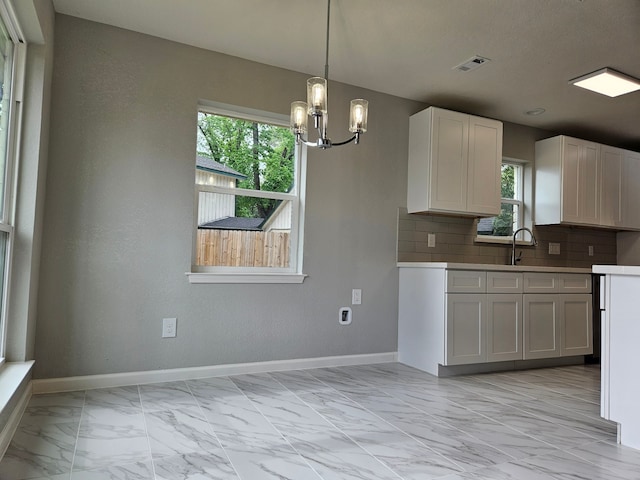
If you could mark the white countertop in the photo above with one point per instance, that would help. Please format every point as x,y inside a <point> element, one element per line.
<point>632,270</point>
<point>498,268</point>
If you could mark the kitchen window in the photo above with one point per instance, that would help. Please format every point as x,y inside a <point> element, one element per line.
<point>500,228</point>
<point>249,190</point>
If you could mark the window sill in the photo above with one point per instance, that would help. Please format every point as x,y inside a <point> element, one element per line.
<point>200,277</point>
<point>501,240</point>
<point>11,376</point>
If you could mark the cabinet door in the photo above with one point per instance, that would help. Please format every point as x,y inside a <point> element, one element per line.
<point>580,182</point>
<point>630,190</point>
<point>611,187</point>
<point>504,327</point>
<point>571,180</point>
<point>577,324</point>
<point>574,283</point>
<point>590,183</point>
<point>449,161</point>
<point>466,327</point>
<point>485,159</point>
<point>466,281</point>
<point>504,282</point>
<point>540,282</point>
<point>541,326</point>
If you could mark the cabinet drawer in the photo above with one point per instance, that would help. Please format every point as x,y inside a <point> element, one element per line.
<point>574,283</point>
<point>466,281</point>
<point>504,282</point>
<point>537,282</point>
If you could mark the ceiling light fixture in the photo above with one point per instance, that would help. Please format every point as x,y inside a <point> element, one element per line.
<point>316,107</point>
<point>607,82</point>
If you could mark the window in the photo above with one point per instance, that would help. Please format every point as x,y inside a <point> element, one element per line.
<point>248,178</point>
<point>11,54</point>
<point>511,215</point>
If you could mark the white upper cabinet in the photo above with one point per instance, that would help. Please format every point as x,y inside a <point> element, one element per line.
<point>585,183</point>
<point>567,181</point>
<point>454,163</point>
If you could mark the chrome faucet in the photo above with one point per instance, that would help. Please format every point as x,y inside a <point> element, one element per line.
<point>515,260</point>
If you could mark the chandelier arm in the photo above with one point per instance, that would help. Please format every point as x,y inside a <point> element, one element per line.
<point>300,139</point>
<point>337,144</point>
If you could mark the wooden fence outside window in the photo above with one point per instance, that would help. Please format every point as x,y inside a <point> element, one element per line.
<point>240,248</point>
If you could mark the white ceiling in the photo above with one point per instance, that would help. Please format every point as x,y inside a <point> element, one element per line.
<point>409,47</point>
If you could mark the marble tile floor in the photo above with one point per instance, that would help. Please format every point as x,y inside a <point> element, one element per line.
<point>384,421</point>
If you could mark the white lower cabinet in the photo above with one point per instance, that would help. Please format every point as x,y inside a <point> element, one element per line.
<point>504,327</point>
<point>541,321</point>
<point>577,324</point>
<point>457,317</point>
<point>557,324</point>
<point>483,328</point>
<point>466,326</point>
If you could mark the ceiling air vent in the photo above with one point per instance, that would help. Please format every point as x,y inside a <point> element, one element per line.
<point>471,64</point>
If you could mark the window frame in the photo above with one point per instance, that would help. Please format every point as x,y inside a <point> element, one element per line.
<point>12,154</point>
<point>226,274</point>
<point>520,188</point>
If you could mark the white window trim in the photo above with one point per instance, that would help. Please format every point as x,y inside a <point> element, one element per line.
<point>522,210</point>
<point>14,130</point>
<point>248,275</point>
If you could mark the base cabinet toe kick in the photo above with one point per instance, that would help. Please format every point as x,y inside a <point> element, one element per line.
<point>450,317</point>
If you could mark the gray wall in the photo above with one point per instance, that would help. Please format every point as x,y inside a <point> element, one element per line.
<point>119,205</point>
<point>628,248</point>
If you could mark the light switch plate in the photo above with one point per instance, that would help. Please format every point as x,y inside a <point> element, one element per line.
<point>356,296</point>
<point>169,327</point>
<point>431,240</point>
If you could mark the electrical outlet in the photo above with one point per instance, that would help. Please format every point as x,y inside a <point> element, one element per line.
<point>344,316</point>
<point>591,250</point>
<point>169,326</point>
<point>356,296</point>
<point>554,248</point>
<point>431,240</point>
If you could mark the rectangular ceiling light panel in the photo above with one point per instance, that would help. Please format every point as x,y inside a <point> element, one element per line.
<point>607,82</point>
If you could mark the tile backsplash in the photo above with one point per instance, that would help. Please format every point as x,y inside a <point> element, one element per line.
<point>455,242</point>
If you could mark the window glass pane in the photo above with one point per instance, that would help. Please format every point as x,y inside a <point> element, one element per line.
<point>508,181</point>
<point>4,239</point>
<point>6,63</point>
<point>240,231</point>
<point>509,219</point>
<point>245,154</point>
<point>501,226</point>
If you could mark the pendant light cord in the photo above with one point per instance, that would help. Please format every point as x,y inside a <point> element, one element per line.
<point>326,61</point>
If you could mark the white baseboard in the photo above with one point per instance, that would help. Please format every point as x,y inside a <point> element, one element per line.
<point>11,426</point>
<point>87,382</point>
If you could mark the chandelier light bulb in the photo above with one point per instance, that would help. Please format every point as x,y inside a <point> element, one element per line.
<point>317,95</point>
<point>358,116</point>
<point>299,117</point>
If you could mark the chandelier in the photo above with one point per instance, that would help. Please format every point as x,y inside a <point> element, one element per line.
<point>316,107</point>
